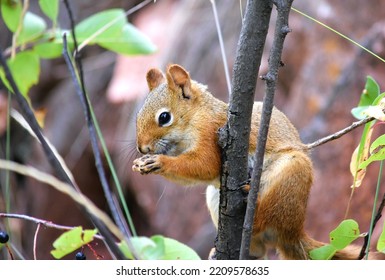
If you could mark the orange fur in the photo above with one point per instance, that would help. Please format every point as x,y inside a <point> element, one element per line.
<point>186,150</point>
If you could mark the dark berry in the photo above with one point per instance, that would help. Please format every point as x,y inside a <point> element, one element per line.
<point>80,256</point>
<point>4,237</point>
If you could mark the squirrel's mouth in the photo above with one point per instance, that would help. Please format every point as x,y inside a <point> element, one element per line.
<point>169,147</point>
<point>165,147</point>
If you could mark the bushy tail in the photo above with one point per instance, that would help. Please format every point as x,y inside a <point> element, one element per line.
<point>300,250</point>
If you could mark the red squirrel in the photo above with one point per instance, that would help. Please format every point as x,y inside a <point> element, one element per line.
<point>177,133</point>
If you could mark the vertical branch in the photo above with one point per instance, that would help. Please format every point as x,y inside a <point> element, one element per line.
<point>281,30</point>
<point>94,143</point>
<point>81,92</point>
<point>234,137</point>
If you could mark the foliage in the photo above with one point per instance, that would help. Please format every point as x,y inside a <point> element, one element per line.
<point>158,248</point>
<point>372,105</point>
<point>33,40</point>
<point>346,232</point>
<point>155,248</point>
<point>71,241</point>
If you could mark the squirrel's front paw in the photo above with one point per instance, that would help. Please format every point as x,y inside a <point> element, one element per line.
<point>147,164</point>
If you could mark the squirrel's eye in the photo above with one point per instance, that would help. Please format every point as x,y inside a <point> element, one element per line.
<point>164,119</point>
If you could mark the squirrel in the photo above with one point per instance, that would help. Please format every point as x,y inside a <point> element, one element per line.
<point>177,133</point>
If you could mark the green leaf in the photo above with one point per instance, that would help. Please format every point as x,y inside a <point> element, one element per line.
<point>158,248</point>
<point>145,248</point>
<point>105,25</point>
<point>378,99</point>
<point>358,112</point>
<point>381,241</point>
<point>110,30</point>
<point>178,251</point>
<point>377,150</point>
<point>129,42</point>
<point>380,155</point>
<point>51,45</point>
<point>11,12</point>
<point>346,232</point>
<point>360,154</point>
<point>25,69</point>
<point>369,96</point>
<point>379,142</point>
<point>370,92</point>
<point>33,27</point>
<point>325,252</point>
<point>71,241</point>
<point>50,8</point>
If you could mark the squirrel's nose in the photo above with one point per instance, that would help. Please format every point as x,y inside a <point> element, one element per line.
<point>144,149</point>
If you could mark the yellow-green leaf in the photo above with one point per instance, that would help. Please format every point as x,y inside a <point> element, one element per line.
<point>158,248</point>
<point>50,8</point>
<point>360,154</point>
<point>25,69</point>
<point>325,252</point>
<point>33,27</point>
<point>11,12</point>
<point>71,241</point>
<point>346,232</point>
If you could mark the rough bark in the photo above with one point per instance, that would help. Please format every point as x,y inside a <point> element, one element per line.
<point>281,30</point>
<point>234,137</point>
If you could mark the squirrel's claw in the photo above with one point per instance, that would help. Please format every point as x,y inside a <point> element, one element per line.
<point>146,164</point>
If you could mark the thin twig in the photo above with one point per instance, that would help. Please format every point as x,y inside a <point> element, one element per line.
<point>222,46</point>
<point>64,188</point>
<point>23,123</point>
<point>19,28</point>
<point>101,220</point>
<point>339,134</point>
<point>35,242</point>
<point>80,90</point>
<point>94,143</point>
<point>281,30</point>
<point>38,221</point>
<point>76,55</point>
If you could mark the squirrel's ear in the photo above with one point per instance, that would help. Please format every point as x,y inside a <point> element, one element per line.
<point>154,78</point>
<point>178,77</point>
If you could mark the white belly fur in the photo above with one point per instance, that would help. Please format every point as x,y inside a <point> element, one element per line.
<point>212,201</point>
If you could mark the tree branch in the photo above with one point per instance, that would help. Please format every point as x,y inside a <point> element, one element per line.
<point>38,221</point>
<point>339,134</point>
<point>281,30</point>
<point>110,201</point>
<point>234,137</point>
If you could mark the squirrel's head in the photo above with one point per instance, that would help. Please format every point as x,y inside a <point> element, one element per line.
<point>165,120</point>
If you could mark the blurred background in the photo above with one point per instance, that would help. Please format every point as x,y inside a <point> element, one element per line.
<point>322,80</point>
